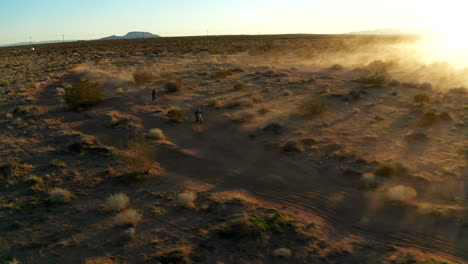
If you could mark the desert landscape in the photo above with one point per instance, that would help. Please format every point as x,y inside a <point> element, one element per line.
<point>313,149</point>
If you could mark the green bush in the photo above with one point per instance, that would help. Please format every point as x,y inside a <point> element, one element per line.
<point>421,99</point>
<point>176,115</point>
<point>82,94</point>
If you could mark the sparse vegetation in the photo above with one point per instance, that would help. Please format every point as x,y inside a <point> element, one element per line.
<point>142,78</point>
<point>156,133</point>
<point>421,99</point>
<point>176,115</point>
<point>429,118</point>
<point>186,199</point>
<point>83,94</point>
<point>59,195</point>
<point>129,217</point>
<point>385,170</point>
<point>239,86</point>
<point>313,107</point>
<point>117,202</point>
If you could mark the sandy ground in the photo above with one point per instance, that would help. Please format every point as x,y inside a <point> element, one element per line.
<point>322,169</point>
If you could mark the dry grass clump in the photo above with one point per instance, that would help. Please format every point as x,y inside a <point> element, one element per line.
<point>429,118</point>
<point>313,107</point>
<point>216,103</point>
<point>294,146</point>
<point>82,94</point>
<point>138,158</point>
<point>174,86</point>
<point>282,252</point>
<point>59,195</point>
<point>186,199</point>
<point>256,97</point>
<point>143,77</point>
<point>100,260</point>
<point>245,117</point>
<point>239,86</point>
<point>421,99</point>
<point>117,202</point>
<point>337,67</point>
<point>156,133</point>
<point>176,115</point>
<point>401,193</point>
<point>385,170</point>
<point>129,217</point>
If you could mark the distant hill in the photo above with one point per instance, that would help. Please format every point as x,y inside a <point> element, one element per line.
<point>35,43</point>
<point>133,35</point>
<point>389,31</point>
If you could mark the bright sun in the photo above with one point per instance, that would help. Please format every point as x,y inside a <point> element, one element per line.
<point>448,41</point>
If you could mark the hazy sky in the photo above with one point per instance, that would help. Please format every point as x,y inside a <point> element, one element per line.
<point>88,19</point>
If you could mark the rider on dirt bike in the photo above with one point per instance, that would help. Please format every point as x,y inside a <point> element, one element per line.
<point>198,115</point>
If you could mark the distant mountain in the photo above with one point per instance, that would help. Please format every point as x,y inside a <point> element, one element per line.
<point>389,31</point>
<point>133,35</point>
<point>35,43</point>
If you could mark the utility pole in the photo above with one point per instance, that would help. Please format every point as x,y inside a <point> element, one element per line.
<point>63,38</point>
<point>30,41</point>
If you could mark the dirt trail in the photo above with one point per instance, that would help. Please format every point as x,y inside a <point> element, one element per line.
<point>227,158</point>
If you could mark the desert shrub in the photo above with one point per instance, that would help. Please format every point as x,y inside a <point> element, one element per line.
<point>375,79</point>
<point>117,202</point>
<point>394,83</point>
<point>385,170</point>
<point>156,133</point>
<point>128,217</point>
<point>401,193</point>
<point>421,99</point>
<point>337,67</point>
<point>173,86</point>
<point>216,103</point>
<point>282,252</point>
<point>245,117</point>
<point>82,94</point>
<point>239,86</point>
<point>59,195</point>
<point>287,92</point>
<point>138,159</point>
<point>294,146</point>
<point>429,118</point>
<point>313,107</point>
<point>220,74</point>
<point>186,199</point>
<point>142,77</point>
<point>256,97</point>
<point>176,115</point>
<point>100,260</point>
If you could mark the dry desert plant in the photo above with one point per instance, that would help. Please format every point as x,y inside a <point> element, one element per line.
<point>176,115</point>
<point>128,217</point>
<point>142,77</point>
<point>156,133</point>
<point>59,195</point>
<point>82,94</point>
<point>117,202</point>
<point>313,107</point>
<point>401,193</point>
<point>186,199</point>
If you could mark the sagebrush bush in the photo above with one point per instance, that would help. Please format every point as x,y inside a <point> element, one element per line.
<point>375,78</point>
<point>128,217</point>
<point>143,77</point>
<point>117,202</point>
<point>138,158</point>
<point>59,195</point>
<point>186,199</point>
<point>401,193</point>
<point>173,86</point>
<point>156,133</point>
<point>385,170</point>
<point>239,86</point>
<point>82,94</point>
<point>313,107</point>
<point>429,118</point>
<point>176,115</point>
<point>421,99</point>
<point>100,260</point>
